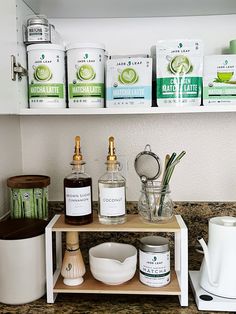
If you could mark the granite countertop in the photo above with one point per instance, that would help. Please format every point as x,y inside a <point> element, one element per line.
<point>196,217</point>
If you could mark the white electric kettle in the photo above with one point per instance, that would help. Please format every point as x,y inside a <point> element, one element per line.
<point>218,269</point>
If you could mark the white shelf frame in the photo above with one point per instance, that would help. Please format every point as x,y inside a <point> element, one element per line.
<point>130,8</point>
<point>127,111</point>
<point>181,256</point>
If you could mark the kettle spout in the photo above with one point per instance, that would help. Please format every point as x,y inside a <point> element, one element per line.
<point>207,260</point>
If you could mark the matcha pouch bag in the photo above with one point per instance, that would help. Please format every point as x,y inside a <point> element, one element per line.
<point>179,71</point>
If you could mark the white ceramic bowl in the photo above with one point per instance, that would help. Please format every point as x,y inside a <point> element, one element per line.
<point>113,263</point>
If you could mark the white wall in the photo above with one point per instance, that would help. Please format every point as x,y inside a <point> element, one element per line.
<point>137,35</point>
<point>208,172</point>
<point>10,156</point>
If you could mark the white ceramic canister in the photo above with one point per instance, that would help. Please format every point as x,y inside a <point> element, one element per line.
<point>85,67</point>
<point>154,261</point>
<point>22,260</point>
<point>46,71</point>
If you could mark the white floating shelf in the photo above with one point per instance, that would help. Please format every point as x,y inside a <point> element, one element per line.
<point>130,8</point>
<point>131,111</point>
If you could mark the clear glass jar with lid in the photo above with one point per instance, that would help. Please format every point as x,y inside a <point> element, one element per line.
<point>155,203</point>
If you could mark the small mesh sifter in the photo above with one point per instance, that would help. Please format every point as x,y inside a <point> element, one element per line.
<point>147,165</point>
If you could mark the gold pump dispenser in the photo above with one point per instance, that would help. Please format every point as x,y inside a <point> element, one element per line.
<point>111,150</point>
<point>77,153</point>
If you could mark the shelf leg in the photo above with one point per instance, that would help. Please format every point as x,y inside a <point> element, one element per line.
<point>49,260</point>
<point>181,260</point>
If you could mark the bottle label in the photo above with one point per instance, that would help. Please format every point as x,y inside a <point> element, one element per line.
<point>112,201</point>
<point>78,201</point>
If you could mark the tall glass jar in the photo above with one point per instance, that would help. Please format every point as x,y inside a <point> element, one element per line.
<point>155,203</point>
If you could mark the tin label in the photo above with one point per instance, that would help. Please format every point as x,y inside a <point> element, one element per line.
<point>38,33</point>
<point>154,268</point>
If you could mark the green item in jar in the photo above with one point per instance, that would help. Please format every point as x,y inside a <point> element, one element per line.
<point>27,203</point>
<point>45,202</point>
<point>38,203</point>
<point>15,203</point>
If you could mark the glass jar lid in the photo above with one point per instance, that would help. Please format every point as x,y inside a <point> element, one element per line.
<point>155,244</point>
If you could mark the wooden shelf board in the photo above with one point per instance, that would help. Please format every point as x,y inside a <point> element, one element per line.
<point>134,286</point>
<point>134,223</point>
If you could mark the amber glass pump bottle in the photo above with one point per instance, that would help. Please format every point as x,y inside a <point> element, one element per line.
<point>78,191</point>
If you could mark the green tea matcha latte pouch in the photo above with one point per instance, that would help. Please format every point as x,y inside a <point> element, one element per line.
<point>179,70</point>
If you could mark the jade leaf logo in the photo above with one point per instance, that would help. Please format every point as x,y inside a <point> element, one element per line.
<point>128,76</point>
<point>86,73</point>
<point>26,196</point>
<point>42,73</point>
<point>180,45</point>
<point>86,56</point>
<point>42,57</point>
<point>69,267</point>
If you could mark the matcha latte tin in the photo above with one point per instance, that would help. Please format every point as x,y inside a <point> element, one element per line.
<point>29,196</point>
<point>85,72</point>
<point>46,71</point>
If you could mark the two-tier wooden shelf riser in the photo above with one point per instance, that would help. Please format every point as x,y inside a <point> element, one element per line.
<point>179,275</point>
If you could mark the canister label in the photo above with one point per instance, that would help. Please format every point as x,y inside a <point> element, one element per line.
<point>154,268</point>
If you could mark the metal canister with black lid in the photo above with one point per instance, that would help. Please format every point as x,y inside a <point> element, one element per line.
<point>154,261</point>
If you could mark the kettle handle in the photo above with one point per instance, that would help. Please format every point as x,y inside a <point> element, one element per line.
<point>207,261</point>
<point>199,249</point>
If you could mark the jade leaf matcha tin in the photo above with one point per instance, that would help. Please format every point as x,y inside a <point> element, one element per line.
<point>154,261</point>
<point>29,196</point>
<point>85,68</point>
<point>46,70</point>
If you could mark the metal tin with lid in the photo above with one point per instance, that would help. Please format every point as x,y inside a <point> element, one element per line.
<point>154,261</point>
<point>37,30</point>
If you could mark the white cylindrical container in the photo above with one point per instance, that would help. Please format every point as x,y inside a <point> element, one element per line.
<point>85,67</point>
<point>46,73</point>
<point>154,261</point>
<point>22,260</point>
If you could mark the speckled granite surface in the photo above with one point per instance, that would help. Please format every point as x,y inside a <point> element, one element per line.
<point>196,217</point>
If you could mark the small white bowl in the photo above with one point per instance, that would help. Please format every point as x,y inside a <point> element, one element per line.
<point>113,263</point>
